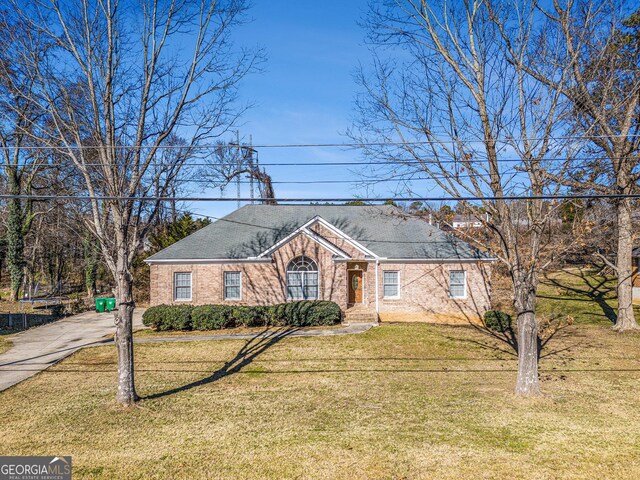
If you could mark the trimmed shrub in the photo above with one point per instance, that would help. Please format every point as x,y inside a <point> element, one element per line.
<point>179,318</point>
<point>247,317</point>
<point>168,317</point>
<point>153,316</point>
<point>497,321</point>
<point>211,317</point>
<point>215,317</point>
<point>305,313</point>
<point>276,316</point>
<point>323,313</point>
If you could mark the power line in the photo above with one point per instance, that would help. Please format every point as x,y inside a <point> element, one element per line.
<point>320,145</point>
<point>369,180</point>
<point>320,200</point>
<point>314,164</point>
<point>399,178</point>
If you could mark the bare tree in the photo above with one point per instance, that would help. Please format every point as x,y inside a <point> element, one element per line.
<point>119,83</point>
<point>600,42</point>
<point>447,100</point>
<point>90,257</point>
<point>19,113</point>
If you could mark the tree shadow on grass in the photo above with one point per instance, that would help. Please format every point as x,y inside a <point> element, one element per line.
<point>500,342</point>
<point>587,287</point>
<point>249,351</point>
<point>595,290</point>
<point>506,341</point>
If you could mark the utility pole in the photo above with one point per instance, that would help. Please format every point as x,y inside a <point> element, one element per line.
<point>238,165</point>
<point>251,174</point>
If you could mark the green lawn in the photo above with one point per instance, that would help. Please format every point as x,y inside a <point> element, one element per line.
<point>401,401</point>
<point>150,333</point>
<point>580,292</point>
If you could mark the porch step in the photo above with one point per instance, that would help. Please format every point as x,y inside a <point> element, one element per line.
<point>360,315</point>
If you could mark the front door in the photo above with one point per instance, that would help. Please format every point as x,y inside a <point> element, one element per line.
<point>355,286</point>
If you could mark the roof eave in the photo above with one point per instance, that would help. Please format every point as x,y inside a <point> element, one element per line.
<point>182,261</point>
<point>437,260</point>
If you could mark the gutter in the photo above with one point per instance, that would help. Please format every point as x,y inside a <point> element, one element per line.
<point>186,261</point>
<point>437,260</point>
<point>183,261</point>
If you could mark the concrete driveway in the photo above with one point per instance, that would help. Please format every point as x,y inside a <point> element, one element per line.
<point>40,347</point>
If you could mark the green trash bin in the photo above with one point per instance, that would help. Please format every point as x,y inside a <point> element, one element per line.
<point>111,304</point>
<point>101,304</point>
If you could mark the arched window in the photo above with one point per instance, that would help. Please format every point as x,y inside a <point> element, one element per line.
<point>302,279</point>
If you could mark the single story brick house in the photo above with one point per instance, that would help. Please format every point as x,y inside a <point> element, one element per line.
<point>373,261</point>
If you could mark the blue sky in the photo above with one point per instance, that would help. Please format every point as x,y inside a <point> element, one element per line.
<point>305,94</point>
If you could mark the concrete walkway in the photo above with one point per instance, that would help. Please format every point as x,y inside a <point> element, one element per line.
<point>38,348</point>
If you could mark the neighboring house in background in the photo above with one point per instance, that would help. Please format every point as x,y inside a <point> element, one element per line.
<point>468,221</point>
<point>370,260</point>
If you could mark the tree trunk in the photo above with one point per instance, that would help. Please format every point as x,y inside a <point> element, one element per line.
<point>527,383</point>
<point>90,265</point>
<point>624,265</point>
<point>15,246</point>
<point>124,338</point>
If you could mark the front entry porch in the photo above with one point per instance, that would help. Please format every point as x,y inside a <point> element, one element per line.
<point>360,314</point>
<point>358,310</point>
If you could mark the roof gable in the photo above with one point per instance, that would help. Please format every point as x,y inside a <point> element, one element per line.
<point>305,230</point>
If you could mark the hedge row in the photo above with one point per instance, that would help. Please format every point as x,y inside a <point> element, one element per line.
<point>214,317</point>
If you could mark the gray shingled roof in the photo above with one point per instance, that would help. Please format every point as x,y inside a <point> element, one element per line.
<point>252,229</point>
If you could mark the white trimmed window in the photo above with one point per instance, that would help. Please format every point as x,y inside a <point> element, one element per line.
<point>232,285</point>
<point>182,286</point>
<point>391,284</point>
<point>302,279</point>
<point>457,284</point>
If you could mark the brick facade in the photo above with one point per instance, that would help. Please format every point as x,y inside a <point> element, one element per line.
<point>423,294</point>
